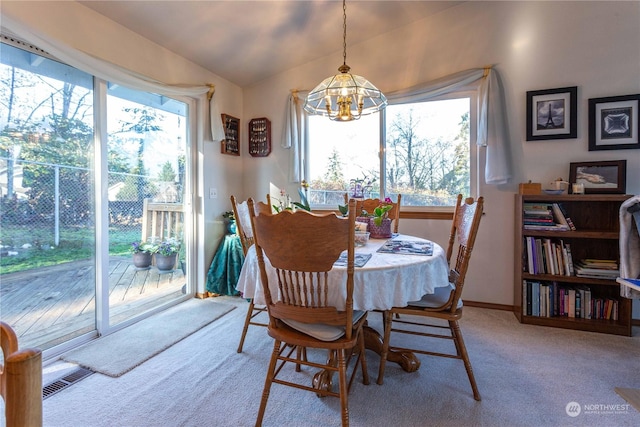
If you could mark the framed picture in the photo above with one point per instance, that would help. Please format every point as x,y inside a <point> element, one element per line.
<point>613,123</point>
<point>231,141</point>
<point>552,114</point>
<point>600,177</point>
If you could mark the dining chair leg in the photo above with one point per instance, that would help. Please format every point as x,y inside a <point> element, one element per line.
<point>387,318</point>
<point>245,328</point>
<point>301,354</point>
<point>363,359</point>
<point>268,381</point>
<point>462,352</point>
<point>344,390</point>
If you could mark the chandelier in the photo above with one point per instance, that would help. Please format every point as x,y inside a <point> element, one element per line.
<point>345,96</point>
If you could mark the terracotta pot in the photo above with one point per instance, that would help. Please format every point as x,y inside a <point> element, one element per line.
<point>165,262</point>
<point>382,231</point>
<point>142,260</point>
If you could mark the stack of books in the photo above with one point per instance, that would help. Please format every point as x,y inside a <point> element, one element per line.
<point>597,269</point>
<point>545,217</point>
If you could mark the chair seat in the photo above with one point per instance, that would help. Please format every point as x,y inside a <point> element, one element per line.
<point>321,331</point>
<point>436,299</point>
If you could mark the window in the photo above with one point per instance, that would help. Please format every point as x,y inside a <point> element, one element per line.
<point>426,156</point>
<point>56,209</point>
<point>341,155</point>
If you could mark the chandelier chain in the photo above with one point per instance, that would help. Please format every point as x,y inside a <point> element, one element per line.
<point>344,32</point>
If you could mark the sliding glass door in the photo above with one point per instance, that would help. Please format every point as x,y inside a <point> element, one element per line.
<point>146,186</point>
<point>75,203</point>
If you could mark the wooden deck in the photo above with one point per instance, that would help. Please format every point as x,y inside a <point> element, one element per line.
<point>49,305</point>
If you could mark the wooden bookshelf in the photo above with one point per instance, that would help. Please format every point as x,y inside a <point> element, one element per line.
<point>596,237</point>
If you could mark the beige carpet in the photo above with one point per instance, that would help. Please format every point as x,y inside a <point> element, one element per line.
<point>528,376</point>
<point>122,351</point>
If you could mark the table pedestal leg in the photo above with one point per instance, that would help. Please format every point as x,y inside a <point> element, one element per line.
<point>323,380</point>
<point>406,359</point>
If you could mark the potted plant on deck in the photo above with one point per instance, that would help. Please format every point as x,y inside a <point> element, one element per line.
<point>166,253</point>
<point>142,252</point>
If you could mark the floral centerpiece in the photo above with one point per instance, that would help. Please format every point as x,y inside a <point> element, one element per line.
<point>380,224</point>
<point>382,211</point>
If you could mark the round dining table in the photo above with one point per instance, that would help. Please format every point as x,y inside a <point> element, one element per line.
<point>395,271</point>
<point>386,280</point>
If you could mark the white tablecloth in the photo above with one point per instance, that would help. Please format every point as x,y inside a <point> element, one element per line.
<point>385,281</point>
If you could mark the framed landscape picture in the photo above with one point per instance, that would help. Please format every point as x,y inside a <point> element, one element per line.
<point>613,123</point>
<point>600,177</point>
<point>552,114</point>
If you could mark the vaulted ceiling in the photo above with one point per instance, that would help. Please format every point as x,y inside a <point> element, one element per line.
<point>248,41</point>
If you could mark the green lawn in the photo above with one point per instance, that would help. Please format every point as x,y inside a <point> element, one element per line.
<point>33,247</point>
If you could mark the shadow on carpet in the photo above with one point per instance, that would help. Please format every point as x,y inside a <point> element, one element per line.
<point>120,352</point>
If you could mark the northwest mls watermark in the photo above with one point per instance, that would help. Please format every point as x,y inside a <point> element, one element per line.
<point>573,409</point>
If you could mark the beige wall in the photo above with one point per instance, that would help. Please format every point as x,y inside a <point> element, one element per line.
<point>533,45</point>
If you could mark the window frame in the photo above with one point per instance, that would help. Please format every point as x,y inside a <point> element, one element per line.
<point>475,158</point>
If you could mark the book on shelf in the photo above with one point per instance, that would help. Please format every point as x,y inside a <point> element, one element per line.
<point>566,217</point>
<point>547,256</point>
<point>585,299</point>
<point>597,269</point>
<point>548,299</point>
<point>558,215</point>
<point>536,209</point>
<point>535,299</point>
<point>530,247</point>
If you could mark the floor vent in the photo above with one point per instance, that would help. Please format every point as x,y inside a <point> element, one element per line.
<point>64,382</point>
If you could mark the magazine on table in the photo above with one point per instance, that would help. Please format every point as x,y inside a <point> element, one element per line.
<point>359,260</point>
<point>407,247</point>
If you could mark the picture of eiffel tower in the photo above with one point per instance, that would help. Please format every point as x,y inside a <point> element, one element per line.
<point>550,122</point>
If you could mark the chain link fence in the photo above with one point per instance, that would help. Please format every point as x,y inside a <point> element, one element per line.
<point>47,206</point>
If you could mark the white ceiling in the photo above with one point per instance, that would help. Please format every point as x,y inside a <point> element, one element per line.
<point>248,41</point>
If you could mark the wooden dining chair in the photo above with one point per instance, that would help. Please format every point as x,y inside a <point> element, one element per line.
<point>370,204</point>
<point>302,247</point>
<point>20,381</point>
<point>245,232</point>
<point>446,302</point>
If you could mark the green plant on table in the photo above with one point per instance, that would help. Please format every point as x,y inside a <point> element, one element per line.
<point>382,211</point>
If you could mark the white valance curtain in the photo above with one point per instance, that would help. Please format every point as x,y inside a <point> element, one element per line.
<point>492,130</point>
<point>492,127</point>
<point>112,72</point>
